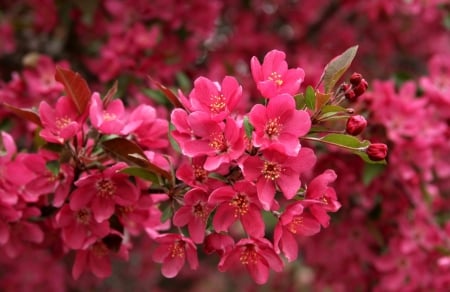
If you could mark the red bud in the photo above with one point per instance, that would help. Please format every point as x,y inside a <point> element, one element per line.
<point>355,125</point>
<point>377,151</point>
<point>355,79</point>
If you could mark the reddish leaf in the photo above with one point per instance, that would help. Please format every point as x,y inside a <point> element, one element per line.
<point>168,93</point>
<point>130,152</point>
<point>110,94</point>
<point>26,114</point>
<point>75,86</point>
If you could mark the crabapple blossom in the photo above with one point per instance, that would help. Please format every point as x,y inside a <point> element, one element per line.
<point>257,255</point>
<point>279,124</point>
<point>172,253</point>
<point>275,170</point>
<point>61,123</point>
<point>295,220</point>
<point>217,99</point>
<point>194,214</point>
<point>239,201</point>
<point>102,191</point>
<point>108,119</point>
<point>273,77</point>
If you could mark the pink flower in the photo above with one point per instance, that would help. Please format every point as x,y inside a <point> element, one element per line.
<point>147,128</point>
<point>172,252</point>
<point>257,255</point>
<point>79,226</point>
<point>273,77</point>
<point>102,191</point>
<point>279,123</point>
<point>293,221</point>
<point>109,120</point>
<point>319,190</point>
<point>46,181</point>
<point>194,214</point>
<point>198,135</point>
<point>218,100</point>
<point>218,242</point>
<point>61,123</point>
<point>195,175</point>
<point>238,201</point>
<point>275,170</point>
<point>95,258</point>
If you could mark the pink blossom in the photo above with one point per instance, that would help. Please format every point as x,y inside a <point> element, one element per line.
<point>239,201</point>
<point>273,77</point>
<point>319,190</point>
<point>197,134</point>
<point>195,175</point>
<point>102,191</point>
<point>61,123</point>
<point>79,226</point>
<point>194,214</point>
<point>172,252</point>
<point>293,221</point>
<point>275,170</point>
<point>218,100</point>
<point>149,130</point>
<point>279,123</point>
<point>109,120</point>
<point>257,255</point>
<point>218,242</point>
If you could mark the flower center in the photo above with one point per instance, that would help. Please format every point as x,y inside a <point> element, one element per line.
<point>201,211</point>
<point>217,103</point>
<point>271,170</point>
<point>108,116</point>
<point>200,173</point>
<point>99,249</point>
<point>62,122</point>
<point>249,255</point>
<point>218,142</point>
<point>105,188</point>
<point>177,250</point>
<point>83,216</point>
<point>273,127</point>
<point>276,77</point>
<point>295,223</point>
<point>240,204</point>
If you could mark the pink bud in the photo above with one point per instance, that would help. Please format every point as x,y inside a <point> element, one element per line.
<point>360,88</point>
<point>377,151</point>
<point>355,125</point>
<point>350,95</point>
<point>355,79</point>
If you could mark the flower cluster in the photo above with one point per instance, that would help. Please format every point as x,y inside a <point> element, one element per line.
<point>103,173</point>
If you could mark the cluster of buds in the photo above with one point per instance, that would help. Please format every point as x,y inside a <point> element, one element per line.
<point>358,85</point>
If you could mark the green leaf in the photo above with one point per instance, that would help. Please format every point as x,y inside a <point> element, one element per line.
<point>310,98</point>
<point>75,87</point>
<point>345,140</point>
<point>142,173</point>
<point>299,101</point>
<point>336,68</point>
<point>371,171</point>
<point>172,141</point>
<point>167,213</point>
<point>183,81</point>
<point>248,127</point>
<point>333,109</point>
<point>53,166</point>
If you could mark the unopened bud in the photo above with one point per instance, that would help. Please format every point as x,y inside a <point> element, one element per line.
<point>377,151</point>
<point>355,125</point>
<point>350,95</point>
<point>355,79</point>
<point>360,88</point>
